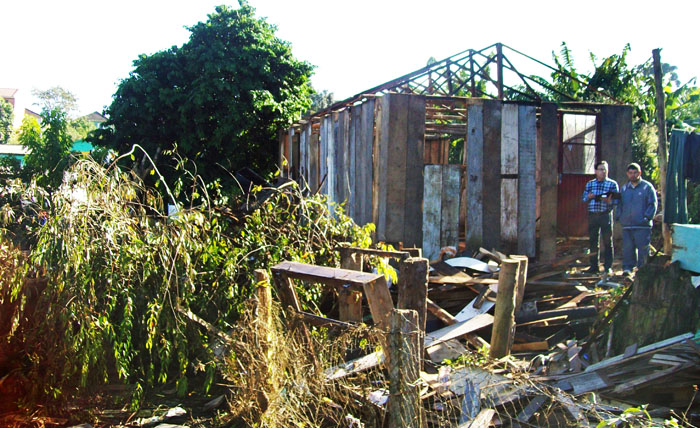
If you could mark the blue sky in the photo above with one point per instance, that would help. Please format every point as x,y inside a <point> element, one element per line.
<point>87,46</point>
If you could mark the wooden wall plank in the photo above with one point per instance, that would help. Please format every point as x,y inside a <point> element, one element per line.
<point>475,176</point>
<point>549,180</point>
<point>364,164</point>
<point>396,167</point>
<point>509,139</point>
<point>380,152</point>
<point>353,146</point>
<point>509,215</point>
<point>615,126</point>
<point>330,160</point>
<point>304,156</point>
<point>527,186</point>
<point>491,174</point>
<point>338,157</point>
<point>432,206</point>
<point>616,139</point>
<point>313,159</point>
<point>294,164</point>
<point>413,200</point>
<point>325,131</point>
<point>341,156</point>
<point>449,229</point>
<point>509,186</point>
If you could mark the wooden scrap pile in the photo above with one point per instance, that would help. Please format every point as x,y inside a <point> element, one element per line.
<point>458,298</point>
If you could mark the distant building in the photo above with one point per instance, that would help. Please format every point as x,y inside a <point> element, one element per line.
<point>13,96</point>
<point>95,118</point>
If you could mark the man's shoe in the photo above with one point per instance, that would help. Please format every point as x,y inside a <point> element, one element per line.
<point>591,269</point>
<point>627,273</point>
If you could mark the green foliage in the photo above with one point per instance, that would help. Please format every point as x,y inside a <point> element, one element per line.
<point>50,147</point>
<point>634,85</point>
<point>79,129</point>
<point>219,98</point>
<point>637,417</point>
<point>119,271</point>
<point>6,118</point>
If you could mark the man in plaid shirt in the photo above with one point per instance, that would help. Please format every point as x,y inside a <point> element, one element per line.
<point>600,194</point>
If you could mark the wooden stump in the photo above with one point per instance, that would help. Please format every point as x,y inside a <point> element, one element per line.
<point>663,304</point>
<point>504,316</point>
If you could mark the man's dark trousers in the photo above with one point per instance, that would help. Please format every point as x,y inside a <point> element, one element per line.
<point>600,224</point>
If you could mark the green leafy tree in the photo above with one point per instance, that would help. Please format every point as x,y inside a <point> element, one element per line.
<point>56,98</point>
<point>219,99</point>
<point>80,128</point>
<point>6,117</point>
<point>50,147</point>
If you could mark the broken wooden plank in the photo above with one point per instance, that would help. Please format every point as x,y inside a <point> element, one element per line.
<point>440,313</point>
<point>572,408</point>
<point>530,346</point>
<point>630,386</point>
<point>326,275</point>
<point>587,382</point>
<point>641,351</point>
<point>533,406</point>
<point>573,313</point>
<point>359,364</point>
<point>448,350</point>
<point>482,420</point>
<point>379,301</point>
<point>469,311</point>
<point>457,330</point>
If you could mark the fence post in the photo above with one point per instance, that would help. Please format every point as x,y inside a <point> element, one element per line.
<point>404,405</point>
<point>350,302</point>
<point>504,317</point>
<point>413,292</point>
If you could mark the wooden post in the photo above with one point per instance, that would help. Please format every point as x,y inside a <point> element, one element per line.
<point>472,83</point>
<point>522,279</point>
<point>264,294</point>
<point>499,69</point>
<point>404,405</point>
<point>413,291</point>
<point>662,147</point>
<point>350,302</point>
<point>263,313</point>
<point>504,318</point>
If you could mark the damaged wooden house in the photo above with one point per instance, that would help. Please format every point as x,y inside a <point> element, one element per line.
<point>454,156</point>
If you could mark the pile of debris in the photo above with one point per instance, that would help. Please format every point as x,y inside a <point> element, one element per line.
<point>554,372</point>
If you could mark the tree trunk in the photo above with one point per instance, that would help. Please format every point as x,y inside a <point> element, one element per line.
<point>663,304</point>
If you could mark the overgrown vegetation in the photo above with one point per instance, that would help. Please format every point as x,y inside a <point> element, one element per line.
<point>120,273</point>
